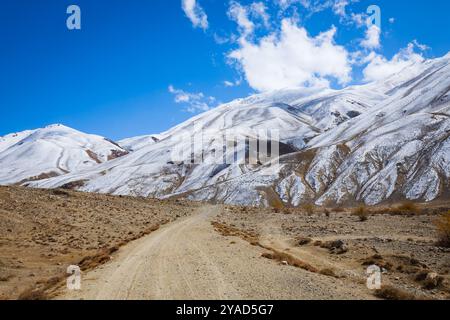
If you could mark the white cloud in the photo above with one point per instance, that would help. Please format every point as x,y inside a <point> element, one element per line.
<point>194,102</point>
<point>235,83</point>
<point>259,10</point>
<point>292,58</point>
<point>195,13</point>
<point>420,46</point>
<point>339,7</point>
<point>391,20</point>
<point>240,15</point>
<point>372,39</point>
<point>380,68</point>
<point>248,18</point>
<point>358,18</point>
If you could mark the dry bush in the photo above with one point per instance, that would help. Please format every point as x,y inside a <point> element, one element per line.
<point>33,294</point>
<point>328,273</point>
<point>338,210</point>
<point>101,257</point>
<point>229,231</point>
<point>303,241</point>
<point>267,255</point>
<point>407,207</point>
<point>443,229</point>
<point>277,206</point>
<point>308,208</point>
<point>392,293</point>
<point>290,259</point>
<point>362,213</point>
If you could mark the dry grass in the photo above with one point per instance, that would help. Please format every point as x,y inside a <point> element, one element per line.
<point>308,208</point>
<point>41,290</point>
<point>230,231</point>
<point>253,239</point>
<point>328,272</point>
<point>277,205</point>
<point>289,259</point>
<point>362,213</point>
<point>44,231</point>
<point>408,206</point>
<point>33,294</point>
<point>443,229</point>
<point>393,293</point>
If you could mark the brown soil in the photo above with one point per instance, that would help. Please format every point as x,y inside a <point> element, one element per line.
<point>402,240</point>
<point>42,232</point>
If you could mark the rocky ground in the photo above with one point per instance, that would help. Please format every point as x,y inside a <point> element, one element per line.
<point>337,242</point>
<point>42,232</point>
<point>182,247</point>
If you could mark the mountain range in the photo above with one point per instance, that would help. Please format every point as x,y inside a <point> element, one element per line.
<point>373,143</point>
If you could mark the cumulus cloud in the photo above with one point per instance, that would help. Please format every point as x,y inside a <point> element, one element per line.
<point>291,58</point>
<point>195,13</point>
<point>194,102</point>
<point>379,67</point>
<point>372,39</point>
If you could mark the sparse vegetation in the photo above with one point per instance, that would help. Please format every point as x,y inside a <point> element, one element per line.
<point>308,208</point>
<point>303,241</point>
<point>33,294</point>
<point>60,227</point>
<point>362,213</point>
<point>277,205</point>
<point>407,207</point>
<point>328,272</point>
<point>443,229</point>
<point>231,231</point>
<point>289,259</point>
<point>393,293</point>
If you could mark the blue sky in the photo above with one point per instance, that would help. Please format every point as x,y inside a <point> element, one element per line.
<point>139,66</point>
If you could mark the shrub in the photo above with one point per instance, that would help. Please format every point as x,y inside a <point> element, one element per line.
<point>408,207</point>
<point>392,293</point>
<point>443,229</point>
<point>277,206</point>
<point>308,208</point>
<point>328,272</point>
<point>33,294</point>
<point>362,213</point>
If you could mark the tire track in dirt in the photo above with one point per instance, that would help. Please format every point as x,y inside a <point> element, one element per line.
<point>187,259</point>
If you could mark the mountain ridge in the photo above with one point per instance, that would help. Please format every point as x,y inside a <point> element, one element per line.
<point>368,143</point>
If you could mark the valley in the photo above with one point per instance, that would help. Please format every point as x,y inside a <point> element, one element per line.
<point>135,248</point>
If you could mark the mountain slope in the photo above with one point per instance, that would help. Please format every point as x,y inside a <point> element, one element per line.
<point>152,171</point>
<point>51,151</point>
<point>396,150</point>
<point>371,143</point>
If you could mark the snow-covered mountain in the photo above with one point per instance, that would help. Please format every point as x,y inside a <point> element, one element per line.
<point>52,151</point>
<point>382,141</point>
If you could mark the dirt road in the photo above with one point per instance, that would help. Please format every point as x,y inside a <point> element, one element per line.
<point>189,260</point>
